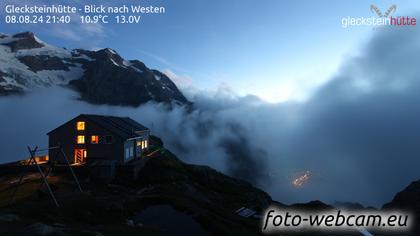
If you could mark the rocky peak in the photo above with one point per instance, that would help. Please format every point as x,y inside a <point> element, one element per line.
<point>26,34</point>
<point>138,64</point>
<point>109,55</point>
<point>101,77</point>
<point>409,198</point>
<point>25,40</point>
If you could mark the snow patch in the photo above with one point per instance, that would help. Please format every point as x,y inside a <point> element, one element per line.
<point>19,75</point>
<point>61,77</point>
<point>113,62</point>
<point>47,50</point>
<point>126,63</point>
<point>39,40</point>
<point>111,51</point>
<point>136,69</point>
<point>7,39</point>
<point>83,56</point>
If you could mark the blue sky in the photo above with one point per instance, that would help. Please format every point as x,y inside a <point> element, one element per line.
<point>277,50</point>
<point>358,130</point>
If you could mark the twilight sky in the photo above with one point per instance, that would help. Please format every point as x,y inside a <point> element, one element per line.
<point>277,50</point>
<point>357,133</point>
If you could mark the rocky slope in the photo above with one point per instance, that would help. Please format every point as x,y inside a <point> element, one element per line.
<point>167,197</point>
<point>194,198</point>
<point>101,77</point>
<point>409,200</point>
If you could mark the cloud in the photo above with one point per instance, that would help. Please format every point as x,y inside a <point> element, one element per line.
<point>77,31</point>
<point>163,61</point>
<point>359,131</point>
<point>358,135</point>
<point>198,137</point>
<point>179,80</point>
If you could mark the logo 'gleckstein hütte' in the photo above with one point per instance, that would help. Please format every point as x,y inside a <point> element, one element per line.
<point>390,10</point>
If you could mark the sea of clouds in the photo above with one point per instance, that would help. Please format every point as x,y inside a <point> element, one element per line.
<point>358,134</point>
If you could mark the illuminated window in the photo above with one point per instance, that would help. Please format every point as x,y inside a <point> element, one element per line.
<point>80,139</point>
<point>80,155</point>
<point>94,139</point>
<point>80,125</point>
<point>142,144</point>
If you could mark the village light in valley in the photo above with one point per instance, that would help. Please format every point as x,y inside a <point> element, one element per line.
<point>301,180</point>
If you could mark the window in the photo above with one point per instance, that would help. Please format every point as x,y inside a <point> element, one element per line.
<point>129,153</point>
<point>80,139</point>
<point>108,139</point>
<point>80,155</point>
<point>80,125</point>
<point>94,139</point>
<point>142,144</point>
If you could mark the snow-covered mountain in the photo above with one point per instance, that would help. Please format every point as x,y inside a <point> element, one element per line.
<point>101,77</point>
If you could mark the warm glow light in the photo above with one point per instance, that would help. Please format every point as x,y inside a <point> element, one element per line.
<point>301,180</point>
<point>94,139</point>
<point>80,156</point>
<point>142,144</point>
<point>80,139</point>
<point>80,125</point>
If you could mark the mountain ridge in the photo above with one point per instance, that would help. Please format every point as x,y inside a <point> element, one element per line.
<point>100,77</point>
